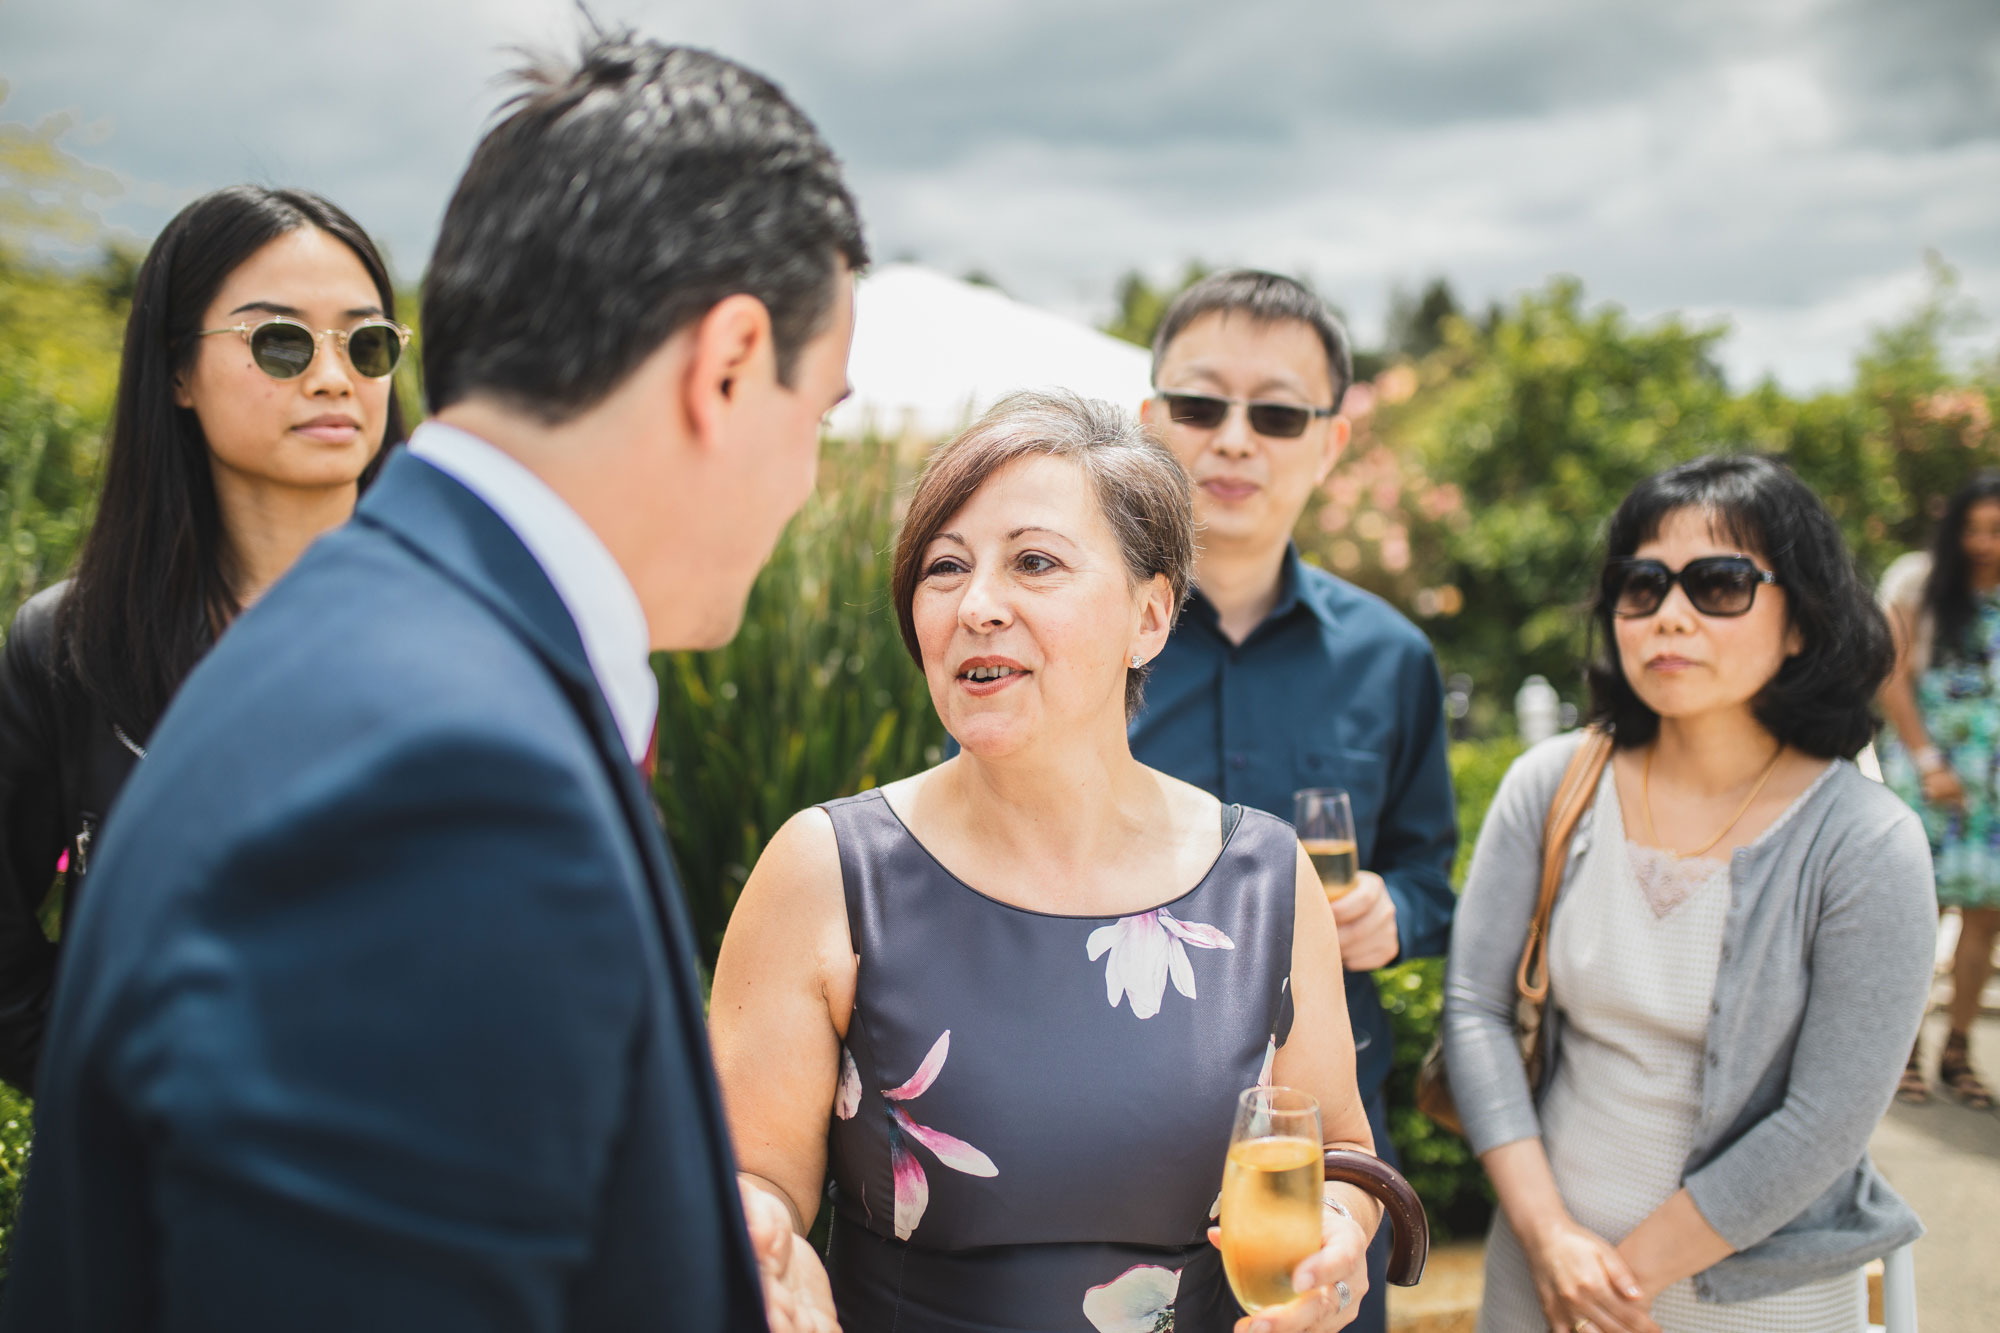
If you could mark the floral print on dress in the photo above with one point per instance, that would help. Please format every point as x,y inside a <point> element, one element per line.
<point>1138,1300</point>
<point>1959,698</point>
<point>913,1188</point>
<point>847,1097</point>
<point>1147,949</point>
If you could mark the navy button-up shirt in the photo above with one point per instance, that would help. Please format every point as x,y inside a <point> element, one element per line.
<point>1333,689</point>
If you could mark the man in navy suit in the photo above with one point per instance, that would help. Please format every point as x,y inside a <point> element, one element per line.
<point>382,1012</point>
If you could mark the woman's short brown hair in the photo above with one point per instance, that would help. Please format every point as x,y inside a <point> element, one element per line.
<point>1140,488</point>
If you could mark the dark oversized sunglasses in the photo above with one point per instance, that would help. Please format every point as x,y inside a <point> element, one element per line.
<point>283,347</point>
<point>1717,585</point>
<point>1280,421</point>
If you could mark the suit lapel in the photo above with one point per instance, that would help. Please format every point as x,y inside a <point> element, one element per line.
<point>451,528</point>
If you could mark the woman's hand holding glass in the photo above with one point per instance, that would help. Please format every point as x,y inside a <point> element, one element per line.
<point>1341,1261</point>
<point>1274,1200</point>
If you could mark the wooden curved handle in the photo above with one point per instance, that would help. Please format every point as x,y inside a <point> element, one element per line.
<point>1410,1241</point>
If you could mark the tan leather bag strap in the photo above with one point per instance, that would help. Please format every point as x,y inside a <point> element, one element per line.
<point>1573,797</point>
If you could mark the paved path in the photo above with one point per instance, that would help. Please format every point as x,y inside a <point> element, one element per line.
<point>1945,1160</point>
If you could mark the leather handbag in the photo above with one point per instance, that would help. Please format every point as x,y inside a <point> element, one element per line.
<point>1531,977</point>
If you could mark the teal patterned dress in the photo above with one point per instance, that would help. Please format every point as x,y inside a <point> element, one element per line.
<point>1959,697</point>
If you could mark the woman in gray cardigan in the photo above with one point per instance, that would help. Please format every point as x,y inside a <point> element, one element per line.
<point>1740,951</point>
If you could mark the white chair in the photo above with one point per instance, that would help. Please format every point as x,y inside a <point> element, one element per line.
<point>1899,1293</point>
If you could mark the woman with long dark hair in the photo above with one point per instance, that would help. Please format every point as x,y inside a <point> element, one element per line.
<point>254,397</point>
<point>1739,951</point>
<point>1943,705</point>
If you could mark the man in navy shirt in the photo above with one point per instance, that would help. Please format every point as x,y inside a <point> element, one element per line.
<point>1279,675</point>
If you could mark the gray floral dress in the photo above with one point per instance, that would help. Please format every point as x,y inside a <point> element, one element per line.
<point>1034,1109</point>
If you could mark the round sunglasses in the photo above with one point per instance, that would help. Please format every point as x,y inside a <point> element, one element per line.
<point>1716,585</point>
<point>1279,421</point>
<point>283,347</point>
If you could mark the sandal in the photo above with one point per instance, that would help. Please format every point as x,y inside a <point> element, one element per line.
<point>1911,1089</point>
<point>1955,1072</point>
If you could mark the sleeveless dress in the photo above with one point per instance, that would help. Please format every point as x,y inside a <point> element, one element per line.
<point>1033,1109</point>
<point>1634,948</point>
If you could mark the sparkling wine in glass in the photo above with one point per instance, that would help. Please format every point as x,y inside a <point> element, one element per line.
<point>1271,1190</point>
<point>1325,820</point>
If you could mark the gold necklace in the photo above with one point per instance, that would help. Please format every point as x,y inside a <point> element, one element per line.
<point>1646,803</point>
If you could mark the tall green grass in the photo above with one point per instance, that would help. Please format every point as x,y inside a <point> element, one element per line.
<point>815,698</point>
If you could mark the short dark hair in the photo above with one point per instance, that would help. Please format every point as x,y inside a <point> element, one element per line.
<point>154,583</point>
<point>1819,700</point>
<point>1140,487</point>
<point>1267,298</point>
<point>618,202</point>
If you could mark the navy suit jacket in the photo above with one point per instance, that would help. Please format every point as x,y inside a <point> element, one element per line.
<point>382,1012</point>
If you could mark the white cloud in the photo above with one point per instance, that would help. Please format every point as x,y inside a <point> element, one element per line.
<point>1782,162</point>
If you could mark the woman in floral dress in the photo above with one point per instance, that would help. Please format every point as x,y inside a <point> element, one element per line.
<point>1007,1004</point>
<point>1943,753</point>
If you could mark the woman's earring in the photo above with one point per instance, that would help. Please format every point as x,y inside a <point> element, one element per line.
<point>1136,662</point>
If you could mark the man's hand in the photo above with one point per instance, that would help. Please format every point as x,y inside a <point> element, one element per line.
<point>1366,915</point>
<point>797,1298</point>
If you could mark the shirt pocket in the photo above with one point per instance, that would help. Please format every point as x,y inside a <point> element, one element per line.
<point>1362,774</point>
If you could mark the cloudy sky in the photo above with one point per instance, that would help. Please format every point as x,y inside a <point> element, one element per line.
<point>1782,164</point>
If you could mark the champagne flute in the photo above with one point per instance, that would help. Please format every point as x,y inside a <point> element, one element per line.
<point>1271,1189</point>
<point>1324,818</point>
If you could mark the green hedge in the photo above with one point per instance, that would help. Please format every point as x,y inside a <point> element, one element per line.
<point>1439,1163</point>
<point>17,1127</point>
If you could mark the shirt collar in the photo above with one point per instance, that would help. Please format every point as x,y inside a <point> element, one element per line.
<point>1294,591</point>
<point>590,582</point>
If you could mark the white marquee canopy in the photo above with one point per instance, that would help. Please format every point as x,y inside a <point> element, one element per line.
<point>931,352</point>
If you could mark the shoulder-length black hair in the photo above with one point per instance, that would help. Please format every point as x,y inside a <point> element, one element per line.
<point>1948,589</point>
<point>153,585</point>
<point>1819,700</point>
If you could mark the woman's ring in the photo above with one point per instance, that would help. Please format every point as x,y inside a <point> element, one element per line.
<point>1583,1326</point>
<point>1346,1294</point>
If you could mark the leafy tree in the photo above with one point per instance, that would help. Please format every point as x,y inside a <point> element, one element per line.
<point>1141,305</point>
<point>45,191</point>
<point>1416,324</point>
<point>59,334</point>
<point>1480,475</point>
<point>1537,428</point>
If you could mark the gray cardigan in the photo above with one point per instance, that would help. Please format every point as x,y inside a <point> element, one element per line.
<point>1825,971</point>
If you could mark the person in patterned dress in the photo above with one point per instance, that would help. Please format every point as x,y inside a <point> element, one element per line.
<point>1008,1004</point>
<point>1942,753</point>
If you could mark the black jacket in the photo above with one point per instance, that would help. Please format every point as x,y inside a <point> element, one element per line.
<point>61,764</point>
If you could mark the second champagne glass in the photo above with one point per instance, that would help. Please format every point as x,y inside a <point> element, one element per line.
<point>1324,818</point>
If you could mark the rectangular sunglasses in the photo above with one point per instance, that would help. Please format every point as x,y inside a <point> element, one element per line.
<point>1716,585</point>
<point>283,347</point>
<point>1279,421</point>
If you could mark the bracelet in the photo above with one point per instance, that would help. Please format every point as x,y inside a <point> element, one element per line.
<point>1929,760</point>
<point>1340,1208</point>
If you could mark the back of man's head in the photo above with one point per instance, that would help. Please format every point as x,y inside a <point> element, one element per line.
<point>1266,298</point>
<point>619,200</point>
